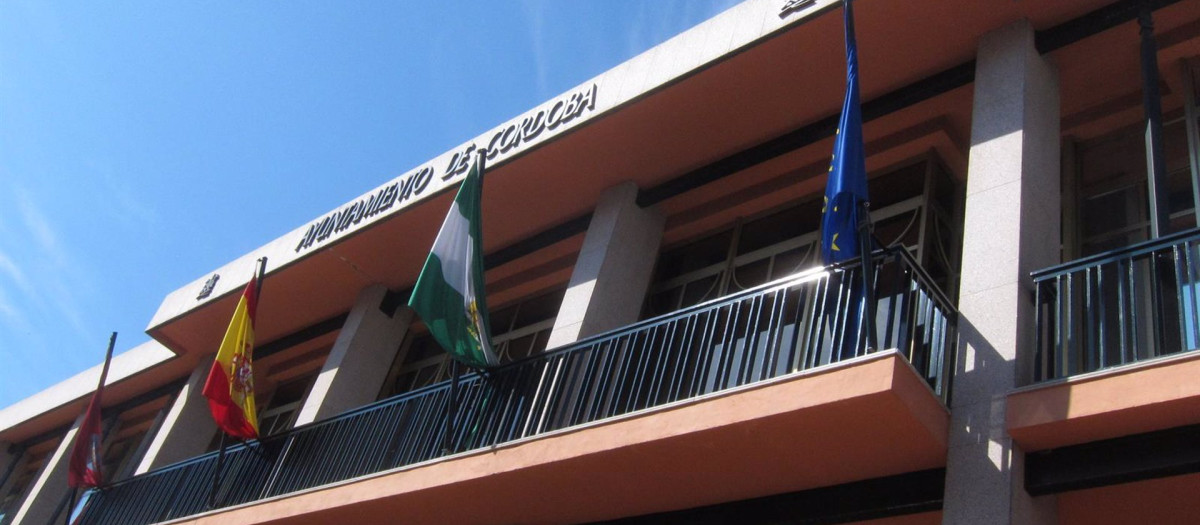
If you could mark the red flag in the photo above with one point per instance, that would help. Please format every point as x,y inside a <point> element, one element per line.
<point>230,384</point>
<point>84,469</point>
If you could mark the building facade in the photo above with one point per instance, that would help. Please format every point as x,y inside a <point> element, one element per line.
<point>674,352</point>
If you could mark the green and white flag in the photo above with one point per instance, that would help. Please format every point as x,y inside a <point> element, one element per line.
<point>449,293</point>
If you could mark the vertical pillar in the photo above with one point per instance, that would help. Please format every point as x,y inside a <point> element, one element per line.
<point>10,456</point>
<point>359,361</point>
<point>12,460</point>
<point>187,427</point>
<point>614,267</point>
<point>49,490</point>
<point>1156,157</point>
<point>1011,227</point>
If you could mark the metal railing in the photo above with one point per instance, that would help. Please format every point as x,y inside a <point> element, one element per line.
<point>1119,307</point>
<point>794,324</point>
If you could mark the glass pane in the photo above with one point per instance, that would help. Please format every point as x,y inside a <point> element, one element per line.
<point>541,341</point>
<point>750,275</point>
<point>422,347</point>
<point>903,183</point>
<point>521,347</point>
<point>501,319</point>
<point>538,309</point>
<point>664,302</point>
<point>901,230</point>
<point>777,227</point>
<point>702,253</point>
<point>793,261</point>
<point>700,290</point>
<point>1108,212</point>
<point>289,392</point>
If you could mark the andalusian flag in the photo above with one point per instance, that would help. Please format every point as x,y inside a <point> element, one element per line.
<point>230,384</point>
<point>449,293</point>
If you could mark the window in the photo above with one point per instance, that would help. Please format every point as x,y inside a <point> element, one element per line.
<point>280,413</point>
<point>914,206</point>
<point>1114,200</point>
<point>518,330</point>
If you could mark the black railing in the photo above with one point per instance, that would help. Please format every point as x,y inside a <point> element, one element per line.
<point>1118,307</point>
<point>780,328</point>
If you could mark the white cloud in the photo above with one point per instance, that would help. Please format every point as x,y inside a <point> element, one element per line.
<point>535,11</point>
<point>8,267</point>
<point>43,234</point>
<point>13,315</point>
<point>59,280</point>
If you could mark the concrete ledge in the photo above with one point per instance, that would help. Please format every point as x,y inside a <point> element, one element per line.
<point>125,365</point>
<point>1133,399</point>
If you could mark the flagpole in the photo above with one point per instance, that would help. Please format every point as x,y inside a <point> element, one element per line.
<point>865,234</point>
<point>262,270</point>
<point>451,409</point>
<point>70,504</point>
<point>216,480</point>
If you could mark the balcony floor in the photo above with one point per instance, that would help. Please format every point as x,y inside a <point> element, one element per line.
<point>860,419</point>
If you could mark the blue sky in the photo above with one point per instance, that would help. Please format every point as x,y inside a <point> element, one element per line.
<point>143,144</point>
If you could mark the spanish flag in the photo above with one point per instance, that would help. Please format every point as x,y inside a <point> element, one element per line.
<point>230,384</point>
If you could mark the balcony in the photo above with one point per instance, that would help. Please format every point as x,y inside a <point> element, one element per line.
<point>766,391</point>
<point>1115,398</point>
<point>1112,309</point>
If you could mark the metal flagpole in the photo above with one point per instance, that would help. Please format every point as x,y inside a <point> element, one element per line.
<point>262,270</point>
<point>216,480</point>
<point>70,504</point>
<point>451,409</point>
<point>865,234</point>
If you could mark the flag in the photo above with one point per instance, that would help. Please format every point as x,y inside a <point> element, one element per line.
<point>846,188</point>
<point>230,384</point>
<point>449,292</point>
<point>84,470</point>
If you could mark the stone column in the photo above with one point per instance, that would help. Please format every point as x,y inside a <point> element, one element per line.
<point>1011,227</point>
<point>12,459</point>
<point>10,456</point>
<point>187,427</point>
<point>614,267</point>
<point>49,488</point>
<point>359,361</point>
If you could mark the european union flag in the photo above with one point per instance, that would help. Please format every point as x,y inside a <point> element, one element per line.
<point>847,185</point>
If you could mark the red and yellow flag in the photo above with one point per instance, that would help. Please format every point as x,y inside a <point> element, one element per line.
<point>230,384</point>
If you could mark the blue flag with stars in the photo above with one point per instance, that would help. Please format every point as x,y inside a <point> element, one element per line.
<point>847,185</point>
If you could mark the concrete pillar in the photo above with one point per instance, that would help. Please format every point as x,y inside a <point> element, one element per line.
<point>360,359</point>
<point>10,456</point>
<point>614,267</point>
<point>186,428</point>
<point>1011,227</point>
<point>12,462</point>
<point>49,489</point>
